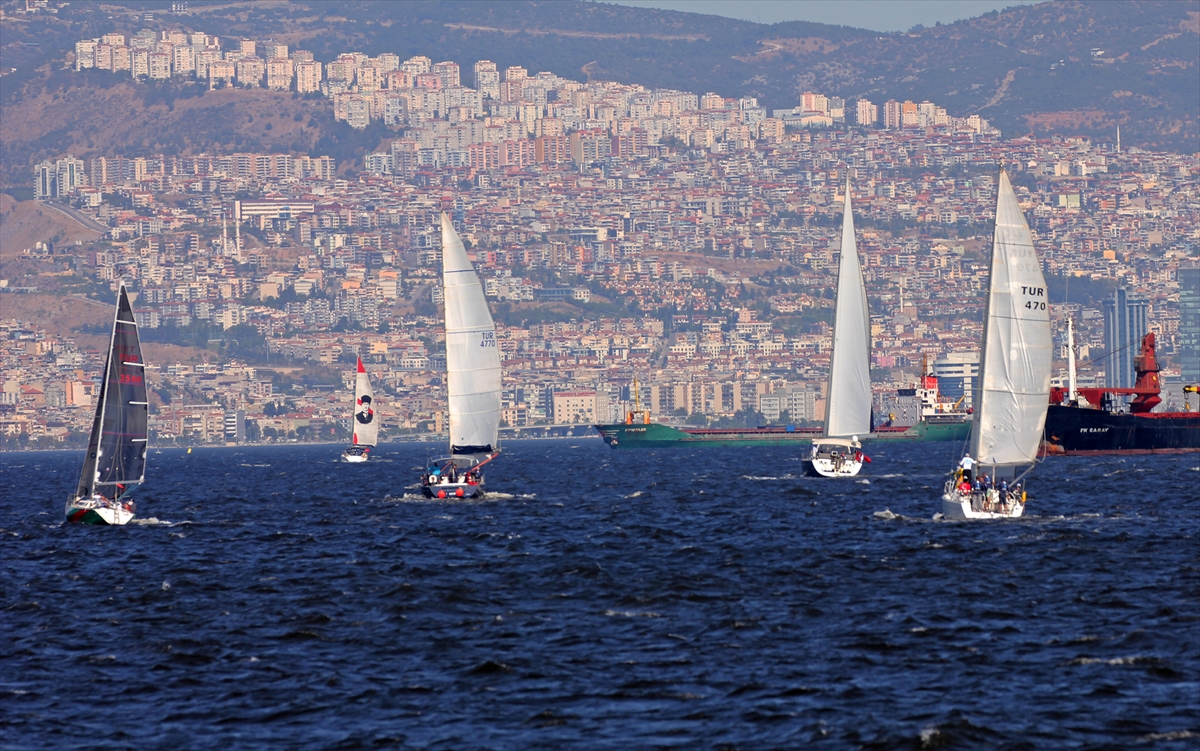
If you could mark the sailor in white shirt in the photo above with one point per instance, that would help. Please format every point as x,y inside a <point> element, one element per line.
<point>967,465</point>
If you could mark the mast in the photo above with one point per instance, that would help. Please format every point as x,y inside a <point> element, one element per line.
<point>848,396</point>
<point>1072,385</point>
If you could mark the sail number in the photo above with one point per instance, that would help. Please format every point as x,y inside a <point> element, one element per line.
<point>1034,292</point>
<point>489,339</point>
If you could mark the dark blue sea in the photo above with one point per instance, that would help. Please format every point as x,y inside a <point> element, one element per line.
<point>273,598</point>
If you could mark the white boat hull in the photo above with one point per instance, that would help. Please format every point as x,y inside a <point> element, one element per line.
<point>956,506</point>
<point>453,490</point>
<point>821,467</point>
<point>354,458</point>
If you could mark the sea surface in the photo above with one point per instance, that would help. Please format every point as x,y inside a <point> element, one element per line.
<point>274,598</point>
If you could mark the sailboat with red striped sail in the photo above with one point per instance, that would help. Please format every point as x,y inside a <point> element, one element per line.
<point>366,421</point>
<point>115,462</point>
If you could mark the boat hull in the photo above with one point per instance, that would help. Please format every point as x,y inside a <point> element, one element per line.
<point>452,490</point>
<point>79,514</point>
<point>827,468</point>
<point>959,507</point>
<point>657,435</point>
<point>354,458</point>
<point>1090,432</point>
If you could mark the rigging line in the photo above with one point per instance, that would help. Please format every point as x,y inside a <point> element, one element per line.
<point>1107,355</point>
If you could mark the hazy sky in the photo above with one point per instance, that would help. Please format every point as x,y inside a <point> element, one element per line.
<point>880,15</point>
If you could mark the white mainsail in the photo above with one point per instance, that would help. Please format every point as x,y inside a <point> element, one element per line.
<point>472,353</point>
<point>1013,392</point>
<point>848,404</point>
<point>366,421</point>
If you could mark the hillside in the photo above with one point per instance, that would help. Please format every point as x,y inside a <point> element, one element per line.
<point>1067,67</point>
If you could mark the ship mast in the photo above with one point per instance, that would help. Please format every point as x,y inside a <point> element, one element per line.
<point>1072,385</point>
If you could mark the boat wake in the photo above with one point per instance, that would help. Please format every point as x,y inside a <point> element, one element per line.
<point>152,521</point>
<point>888,515</point>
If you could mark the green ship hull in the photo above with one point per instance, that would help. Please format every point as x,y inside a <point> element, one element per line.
<point>657,435</point>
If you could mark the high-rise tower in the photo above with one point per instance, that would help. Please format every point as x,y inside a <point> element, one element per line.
<point>1124,326</point>
<point>1189,324</point>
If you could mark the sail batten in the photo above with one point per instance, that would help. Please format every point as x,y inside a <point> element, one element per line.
<point>472,352</point>
<point>848,402</point>
<point>1013,391</point>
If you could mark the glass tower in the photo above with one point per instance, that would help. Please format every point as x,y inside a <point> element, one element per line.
<point>1189,324</point>
<point>1124,326</point>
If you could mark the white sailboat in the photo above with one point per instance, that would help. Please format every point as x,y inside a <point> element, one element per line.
<point>116,454</point>
<point>366,422</point>
<point>472,378</point>
<point>1013,393</point>
<point>838,453</point>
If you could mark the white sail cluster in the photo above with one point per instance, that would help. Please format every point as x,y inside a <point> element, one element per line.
<point>1013,393</point>
<point>472,353</point>
<point>848,407</point>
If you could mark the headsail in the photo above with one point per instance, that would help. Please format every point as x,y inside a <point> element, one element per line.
<point>1013,392</point>
<point>117,447</point>
<point>472,353</point>
<point>848,404</point>
<point>366,421</point>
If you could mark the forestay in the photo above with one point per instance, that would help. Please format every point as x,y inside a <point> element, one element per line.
<point>116,454</point>
<point>1014,382</point>
<point>849,396</point>
<point>366,422</point>
<point>472,353</point>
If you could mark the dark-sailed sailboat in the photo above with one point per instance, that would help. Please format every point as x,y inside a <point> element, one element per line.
<point>116,452</point>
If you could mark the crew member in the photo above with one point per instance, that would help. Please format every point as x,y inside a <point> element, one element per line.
<point>966,465</point>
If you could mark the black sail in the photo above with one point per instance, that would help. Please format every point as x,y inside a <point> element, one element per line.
<point>117,448</point>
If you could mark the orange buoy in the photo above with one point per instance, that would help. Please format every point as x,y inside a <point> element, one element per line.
<point>459,493</point>
<point>441,494</point>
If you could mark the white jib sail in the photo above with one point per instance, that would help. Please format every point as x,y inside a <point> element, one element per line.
<point>1014,370</point>
<point>472,353</point>
<point>366,420</point>
<point>848,403</point>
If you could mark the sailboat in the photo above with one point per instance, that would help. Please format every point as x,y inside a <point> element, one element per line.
<point>366,424</point>
<point>1013,392</point>
<point>116,453</point>
<point>838,453</point>
<point>472,378</point>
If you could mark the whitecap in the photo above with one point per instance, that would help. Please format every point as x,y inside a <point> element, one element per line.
<point>886,515</point>
<point>1174,735</point>
<point>863,481</point>
<point>632,614</point>
<point>634,494</point>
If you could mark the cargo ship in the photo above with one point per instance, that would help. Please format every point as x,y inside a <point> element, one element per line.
<point>1093,421</point>
<point>939,420</point>
<point>928,415</point>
